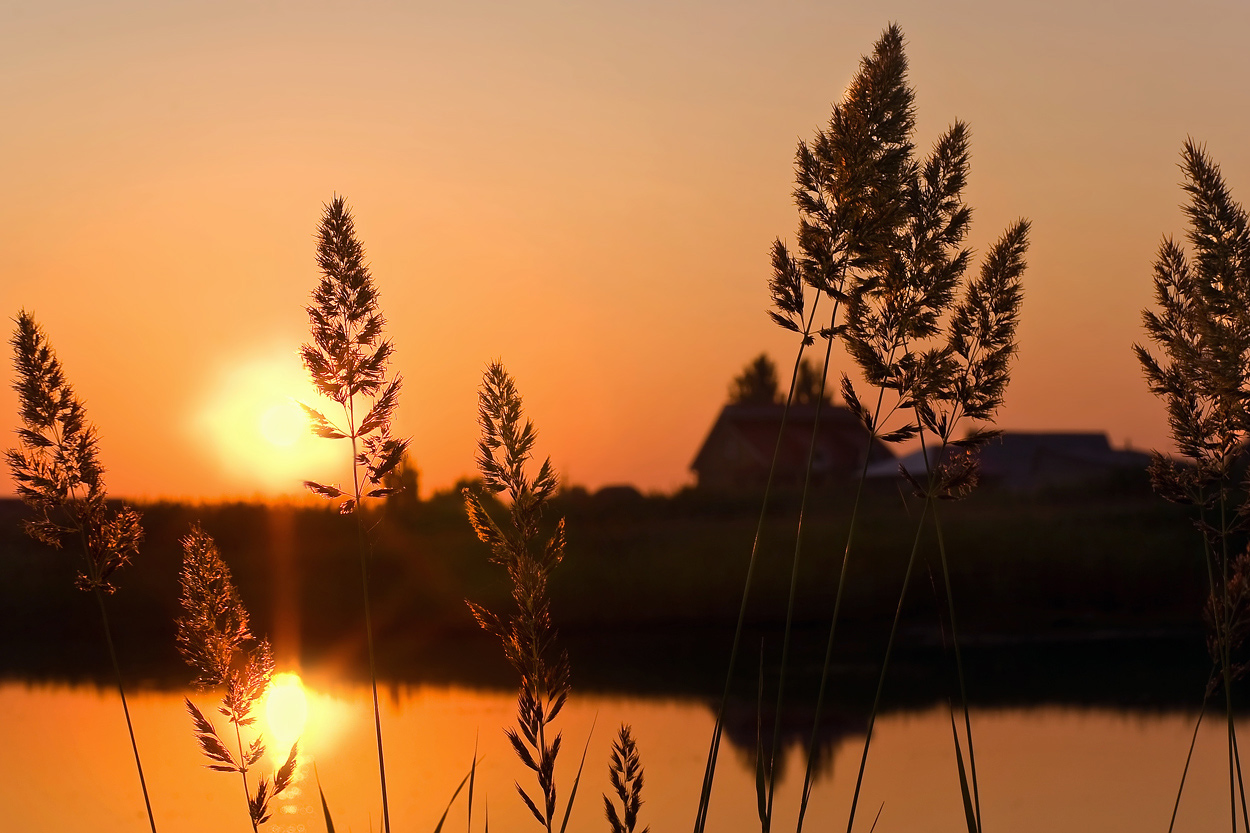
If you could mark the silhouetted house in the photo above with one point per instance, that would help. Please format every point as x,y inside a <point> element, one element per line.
<point>739,449</point>
<point>1023,461</point>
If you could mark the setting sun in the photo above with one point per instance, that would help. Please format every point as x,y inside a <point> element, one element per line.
<point>283,424</point>
<point>257,433</point>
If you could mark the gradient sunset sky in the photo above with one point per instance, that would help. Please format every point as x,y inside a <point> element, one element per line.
<point>587,191</point>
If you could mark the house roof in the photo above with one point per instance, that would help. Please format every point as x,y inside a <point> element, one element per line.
<point>1017,458</point>
<point>757,426</point>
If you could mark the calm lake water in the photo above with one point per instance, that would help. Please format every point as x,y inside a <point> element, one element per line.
<point>66,766</point>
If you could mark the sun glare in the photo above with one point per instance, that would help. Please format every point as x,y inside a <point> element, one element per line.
<point>258,433</point>
<point>286,711</point>
<point>283,424</point>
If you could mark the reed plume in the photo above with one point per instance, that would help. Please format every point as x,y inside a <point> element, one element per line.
<point>527,635</point>
<point>625,773</point>
<point>1202,327</point>
<point>215,640</point>
<point>881,233</point>
<point>940,348</point>
<point>347,360</point>
<point>848,194</point>
<point>58,474</point>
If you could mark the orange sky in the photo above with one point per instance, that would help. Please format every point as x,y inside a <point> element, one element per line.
<point>586,191</point>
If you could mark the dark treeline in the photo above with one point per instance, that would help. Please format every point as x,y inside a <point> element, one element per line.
<point>650,589</point>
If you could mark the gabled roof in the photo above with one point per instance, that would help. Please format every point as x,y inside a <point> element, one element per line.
<point>757,428</point>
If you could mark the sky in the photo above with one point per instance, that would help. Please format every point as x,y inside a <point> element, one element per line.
<point>585,191</point>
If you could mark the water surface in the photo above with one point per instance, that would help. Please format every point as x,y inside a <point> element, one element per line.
<point>67,767</point>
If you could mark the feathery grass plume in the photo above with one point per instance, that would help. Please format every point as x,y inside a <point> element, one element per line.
<point>1202,327</point>
<point>849,195</point>
<point>528,637</point>
<point>58,474</point>
<point>625,773</point>
<point>895,334</point>
<point>347,360</point>
<point>214,639</point>
<point>897,252</point>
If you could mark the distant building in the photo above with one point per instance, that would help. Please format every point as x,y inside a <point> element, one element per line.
<point>1023,461</point>
<point>739,449</point>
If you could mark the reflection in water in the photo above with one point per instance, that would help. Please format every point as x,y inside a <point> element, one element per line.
<point>286,713</point>
<point>1042,769</point>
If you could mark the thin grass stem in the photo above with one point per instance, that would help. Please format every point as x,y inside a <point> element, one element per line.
<point>833,619</point>
<point>885,665</point>
<point>121,692</point>
<point>959,665</point>
<point>247,791</point>
<point>1193,741</point>
<point>709,772</point>
<point>794,573</point>
<point>363,546</point>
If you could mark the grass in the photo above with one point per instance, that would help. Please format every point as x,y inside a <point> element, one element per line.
<point>58,474</point>
<point>1202,328</point>
<point>214,639</point>
<point>347,360</point>
<point>881,234</point>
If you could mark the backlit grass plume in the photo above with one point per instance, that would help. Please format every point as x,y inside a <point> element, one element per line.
<point>58,474</point>
<point>940,348</point>
<point>56,465</point>
<point>1202,327</point>
<point>347,360</point>
<point>214,639</point>
<point>528,637</point>
<point>882,234</point>
<point>848,189</point>
<point>625,773</point>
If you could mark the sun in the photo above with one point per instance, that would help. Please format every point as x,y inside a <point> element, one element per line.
<point>283,424</point>
<point>251,424</point>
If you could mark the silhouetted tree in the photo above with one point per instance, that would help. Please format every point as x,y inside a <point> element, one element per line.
<point>757,384</point>
<point>807,385</point>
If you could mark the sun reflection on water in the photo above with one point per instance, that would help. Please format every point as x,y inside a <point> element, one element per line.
<point>286,711</point>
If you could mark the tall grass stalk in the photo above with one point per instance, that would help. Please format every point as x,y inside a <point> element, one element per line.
<point>964,376</point>
<point>214,639</point>
<point>347,360</point>
<point>1202,327</point>
<point>882,233</point>
<point>846,194</point>
<point>527,635</point>
<point>58,474</point>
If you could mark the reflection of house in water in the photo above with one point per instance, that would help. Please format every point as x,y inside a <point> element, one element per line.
<point>739,449</point>
<point>1022,461</point>
<point>746,727</point>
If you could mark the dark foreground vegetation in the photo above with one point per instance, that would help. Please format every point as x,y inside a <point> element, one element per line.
<point>1084,582</point>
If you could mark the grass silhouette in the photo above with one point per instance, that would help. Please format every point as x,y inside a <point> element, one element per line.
<point>1202,326</point>
<point>58,474</point>
<point>213,636</point>
<point>347,360</point>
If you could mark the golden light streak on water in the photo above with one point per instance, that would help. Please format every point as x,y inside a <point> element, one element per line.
<point>286,711</point>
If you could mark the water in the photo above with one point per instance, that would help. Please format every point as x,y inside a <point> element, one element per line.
<point>66,766</point>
